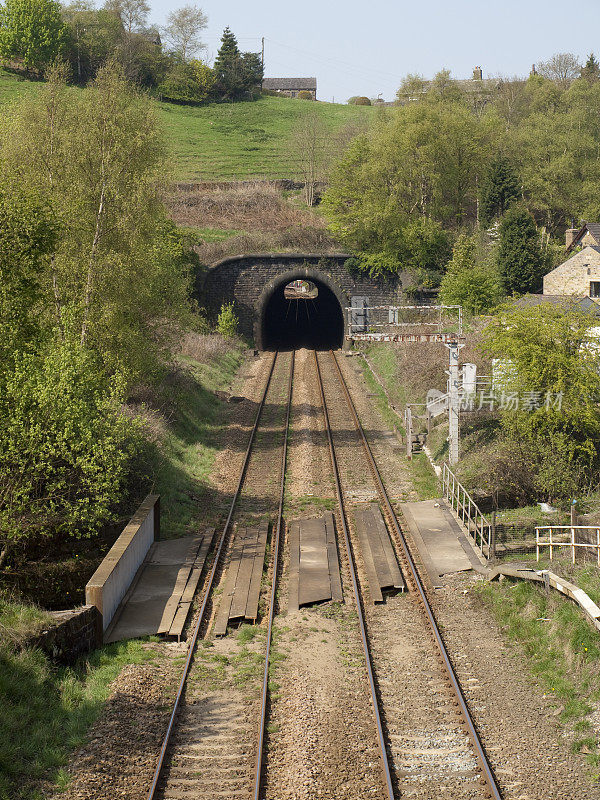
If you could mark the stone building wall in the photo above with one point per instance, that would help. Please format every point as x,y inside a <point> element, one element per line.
<point>246,280</point>
<point>574,276</point>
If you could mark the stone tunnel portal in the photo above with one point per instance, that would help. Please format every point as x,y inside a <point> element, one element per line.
<point>301,311</point>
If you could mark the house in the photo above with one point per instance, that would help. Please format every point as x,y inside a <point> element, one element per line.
<point>579,275</point>
<point>478,90</point>
<point>289,87</point>
<point>588,234</point>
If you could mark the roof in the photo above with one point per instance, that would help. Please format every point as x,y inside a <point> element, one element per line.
<point>290,83</point>
<point>566,301</point>
<point>588,227</point>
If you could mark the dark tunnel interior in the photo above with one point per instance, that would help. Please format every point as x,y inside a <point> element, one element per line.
<point>291,320</point>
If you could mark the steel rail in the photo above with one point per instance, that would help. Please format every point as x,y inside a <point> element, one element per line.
<point>196,631</point>
<point>277,538</point>
<point>486,768</point>
<point>361,619</point>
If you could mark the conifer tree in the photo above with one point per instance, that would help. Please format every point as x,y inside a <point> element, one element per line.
<point>591,70</point>
<point>499,189</point>
<point>520,260</point>
<point>236,73</point>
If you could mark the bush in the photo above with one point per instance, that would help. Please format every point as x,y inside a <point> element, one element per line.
<point>227,322</point>
<point>470,281</point>
<point>65,446</point>
<point>359,101</point>
<point>304,95</point>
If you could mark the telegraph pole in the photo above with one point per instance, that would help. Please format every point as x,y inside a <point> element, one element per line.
<point>262,57</point>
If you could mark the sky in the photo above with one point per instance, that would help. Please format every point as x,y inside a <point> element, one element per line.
<point>366,48</point>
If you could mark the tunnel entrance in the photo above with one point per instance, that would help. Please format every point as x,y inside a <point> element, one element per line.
<point>302,313</point>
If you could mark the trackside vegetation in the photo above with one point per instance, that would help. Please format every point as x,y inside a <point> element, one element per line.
<point>560,646</point>
<point>95,282</point>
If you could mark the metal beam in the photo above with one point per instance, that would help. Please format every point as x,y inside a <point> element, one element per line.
<point>420,338</point>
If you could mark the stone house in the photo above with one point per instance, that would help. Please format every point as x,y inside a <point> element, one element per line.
<point>579,275</point>
<point>289,87</point>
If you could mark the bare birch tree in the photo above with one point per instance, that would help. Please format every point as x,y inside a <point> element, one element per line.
<point>183,30</point>
<point>562,68</point>
<point>312,148</point>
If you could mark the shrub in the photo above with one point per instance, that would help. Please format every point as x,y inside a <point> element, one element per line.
<point>65,445</point>
<point>469,281</point>
<point>359,101</point>
<point>304,95</point>
<point>227,322</point>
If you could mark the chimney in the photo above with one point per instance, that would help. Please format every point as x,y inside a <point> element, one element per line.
<point>533,70</point>
<point>570,235</point>
<point>477,74</point>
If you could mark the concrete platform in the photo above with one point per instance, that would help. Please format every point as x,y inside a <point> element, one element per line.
<point>443,546</point>
<point>171,570</point>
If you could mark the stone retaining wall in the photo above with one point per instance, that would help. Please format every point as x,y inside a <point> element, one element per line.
<point>74,633</point>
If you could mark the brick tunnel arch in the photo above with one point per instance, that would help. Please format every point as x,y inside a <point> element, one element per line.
<point>288,324</point>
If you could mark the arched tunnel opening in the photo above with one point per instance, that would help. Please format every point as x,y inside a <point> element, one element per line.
<point>302,313</point>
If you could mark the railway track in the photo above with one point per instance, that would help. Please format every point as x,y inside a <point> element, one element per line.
<point>428,752</point>
<point>215,743</point>
<point>213,746</point>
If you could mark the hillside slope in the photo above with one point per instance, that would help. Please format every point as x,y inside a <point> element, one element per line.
<point>229,141</point>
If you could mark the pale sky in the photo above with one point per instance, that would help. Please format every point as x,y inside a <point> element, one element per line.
<point>365,48</point>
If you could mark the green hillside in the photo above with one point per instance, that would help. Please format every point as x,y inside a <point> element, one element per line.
<point>246,140</point>
<point>225,141</point>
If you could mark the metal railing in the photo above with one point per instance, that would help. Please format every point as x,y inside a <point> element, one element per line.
<point>468,512</point>
<point>413,320</point>
<point>566,536</point>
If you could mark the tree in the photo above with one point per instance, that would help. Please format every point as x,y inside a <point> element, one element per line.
<point>28,234</point>
<point>470,282</point>
<point>444,87</point>
<point>183,30</point>
<point>93,37</point>
<point>423,162</point>
<point>500,187</point>
<point>520,260</point>
<point>591,70</point>
<point>32,32</point>
<point>235,73</point>
<point>310,139</point>
<point>98,157</point>
<point>555,371</point>
<point>65,445</point>
<point>412,85</point>
<point>562,68</point>
<point>132,13</point>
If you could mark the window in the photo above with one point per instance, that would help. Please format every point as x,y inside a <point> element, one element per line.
<point>594,288</point>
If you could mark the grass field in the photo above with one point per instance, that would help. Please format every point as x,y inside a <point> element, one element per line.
<point>246,140</point>
<point>229,141</point>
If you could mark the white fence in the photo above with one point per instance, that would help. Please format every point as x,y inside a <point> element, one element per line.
<point>568,536</point>
<point>468,512</point>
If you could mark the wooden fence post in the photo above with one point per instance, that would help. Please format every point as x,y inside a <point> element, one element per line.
<point>493,536</point>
